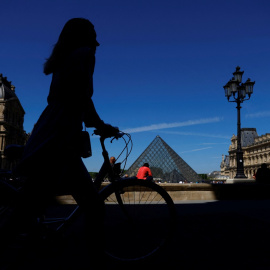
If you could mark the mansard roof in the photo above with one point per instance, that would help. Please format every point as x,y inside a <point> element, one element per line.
<point>248,136</point>
<point>7,90</point>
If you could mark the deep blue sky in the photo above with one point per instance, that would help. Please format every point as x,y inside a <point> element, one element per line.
<point>160,69</point>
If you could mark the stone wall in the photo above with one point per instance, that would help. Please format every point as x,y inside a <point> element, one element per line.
<point>182,192</point>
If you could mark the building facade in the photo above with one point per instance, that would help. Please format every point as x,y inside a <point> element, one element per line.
<point>256,150</point>
<point>11,121</point>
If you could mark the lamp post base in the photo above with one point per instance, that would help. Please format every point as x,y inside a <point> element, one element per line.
<point>240,176</point>
<point>240,180</point>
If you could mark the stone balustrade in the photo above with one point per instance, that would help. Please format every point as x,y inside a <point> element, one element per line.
<point>180,192</point>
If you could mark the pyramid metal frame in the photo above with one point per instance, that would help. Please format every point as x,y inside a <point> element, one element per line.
<point>165,163</point>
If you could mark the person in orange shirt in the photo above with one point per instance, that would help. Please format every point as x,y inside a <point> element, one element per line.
<point>144,172</point>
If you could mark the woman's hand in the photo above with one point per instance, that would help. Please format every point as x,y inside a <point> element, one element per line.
<point>107,130</point>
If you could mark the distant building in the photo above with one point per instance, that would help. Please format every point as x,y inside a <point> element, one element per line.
<point>11,120</point>
<point>217,175</point>
<point>224,166</point>
<point>256,150</point>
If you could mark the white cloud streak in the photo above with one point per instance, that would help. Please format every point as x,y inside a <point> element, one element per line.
<point>194,150</point>
<point>258,114</point>
<point>173,125</point>
<point>197,134</point>
<point>214,143</point>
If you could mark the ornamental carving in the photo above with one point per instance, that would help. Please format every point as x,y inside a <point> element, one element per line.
<point>11,121</point>
<point>256,150</point>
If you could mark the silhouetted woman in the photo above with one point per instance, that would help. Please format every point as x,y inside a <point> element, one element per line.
<point>51,152</point>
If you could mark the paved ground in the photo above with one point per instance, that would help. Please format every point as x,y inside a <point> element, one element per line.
<point>210,235</point>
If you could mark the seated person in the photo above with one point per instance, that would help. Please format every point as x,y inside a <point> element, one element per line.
<point>116,167</point>
<point>263,174</point>
<point>144,172</point>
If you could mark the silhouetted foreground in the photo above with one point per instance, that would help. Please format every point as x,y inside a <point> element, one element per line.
<point>210,235</point>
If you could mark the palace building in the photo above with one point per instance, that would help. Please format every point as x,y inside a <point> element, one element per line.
<point>11,120</point>
<point>256,150</point>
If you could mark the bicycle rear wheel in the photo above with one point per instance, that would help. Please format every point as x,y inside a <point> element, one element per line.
<point>141,224</point>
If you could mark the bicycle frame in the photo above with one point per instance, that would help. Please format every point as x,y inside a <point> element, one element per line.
<point>116,196</point>
<point>105,169</point>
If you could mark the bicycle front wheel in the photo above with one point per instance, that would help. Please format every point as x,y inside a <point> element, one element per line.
<point>140,218</point>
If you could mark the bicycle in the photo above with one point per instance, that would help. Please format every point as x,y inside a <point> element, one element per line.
<point>131,204</point>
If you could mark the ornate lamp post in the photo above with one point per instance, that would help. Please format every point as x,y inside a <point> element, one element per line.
<point>238,91</point>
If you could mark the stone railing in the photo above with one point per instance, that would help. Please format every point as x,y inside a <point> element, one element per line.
<point>180,192</point>
<point>236,191</point>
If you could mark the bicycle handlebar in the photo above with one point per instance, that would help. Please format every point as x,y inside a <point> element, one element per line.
<point>116,135</point>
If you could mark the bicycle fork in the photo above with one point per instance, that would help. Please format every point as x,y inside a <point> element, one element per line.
<point>106,168</point>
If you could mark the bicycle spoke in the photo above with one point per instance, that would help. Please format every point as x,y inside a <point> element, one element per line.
<point>143,205</point>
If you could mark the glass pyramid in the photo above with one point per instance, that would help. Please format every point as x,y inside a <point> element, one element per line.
<point>165,164</point>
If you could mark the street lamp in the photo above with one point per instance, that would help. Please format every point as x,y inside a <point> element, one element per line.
<point>238,91</point>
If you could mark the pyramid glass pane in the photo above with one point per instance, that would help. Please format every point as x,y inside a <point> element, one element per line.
<point>165,163</point>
